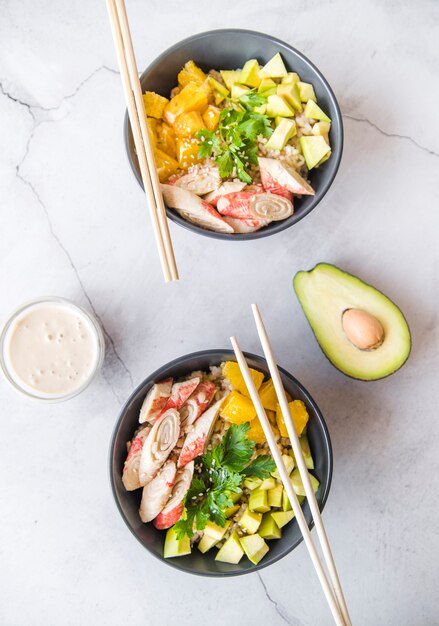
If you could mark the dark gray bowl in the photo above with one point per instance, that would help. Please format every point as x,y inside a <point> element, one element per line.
<point>128,501</point>
<point>229,49</point>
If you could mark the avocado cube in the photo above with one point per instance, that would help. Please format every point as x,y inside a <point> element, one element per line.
<point>298,487</point>
<point>291,77</point>
<point>206,543</point>
<point>314,149</point>
<point>250,521</point>
<point>286,504</point>
<point>239,90</point>
<point>282,517</point>
<point>289,464</point>
<point>267,87</point>
<point>268,483</point>
<point>268,528</point>
<point>234,495</point>
<point>231,551</point>
<point>215,531</point>
<point>322,128</point>
<point>314,112</point>
<point>176,547</point>
<point>282,134</point>
<point>250,74</point>
<point>277,105</point>
<point>231,510</point>
<point>230,77</point>
<point>258,501</point>
<point>306,92</point>
<point>252,483</point>
<point>275,68</point>
<point>254,547</point>
<point>290,93</point>
<point>275,495</point>
<point>217,86</point>
<point>304,444</point>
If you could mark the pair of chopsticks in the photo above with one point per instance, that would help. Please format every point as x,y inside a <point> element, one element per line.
<point>136,112</point>
<point>329,579</point>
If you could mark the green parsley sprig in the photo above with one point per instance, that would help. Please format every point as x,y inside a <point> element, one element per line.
<point>233,145</point>
<point>223,470</point>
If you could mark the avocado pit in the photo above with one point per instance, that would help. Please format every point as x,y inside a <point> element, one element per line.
<point>362,329</point>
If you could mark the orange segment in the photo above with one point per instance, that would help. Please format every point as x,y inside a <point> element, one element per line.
<point>299,414</point>
<point>238,408</point>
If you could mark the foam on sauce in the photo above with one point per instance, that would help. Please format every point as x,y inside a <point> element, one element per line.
<point>51,349</point>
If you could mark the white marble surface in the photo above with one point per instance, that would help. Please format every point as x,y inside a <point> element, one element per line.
<point>73,223</point>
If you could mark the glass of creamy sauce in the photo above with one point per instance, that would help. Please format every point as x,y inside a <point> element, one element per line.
<point>51,349</point>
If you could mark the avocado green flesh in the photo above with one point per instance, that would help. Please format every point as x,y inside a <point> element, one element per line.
<point>324,294</point>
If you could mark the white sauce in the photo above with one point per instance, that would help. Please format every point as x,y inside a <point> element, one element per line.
<point>51,349</point>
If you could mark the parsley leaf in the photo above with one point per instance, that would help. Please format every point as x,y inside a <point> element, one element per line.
<point>261,467</point>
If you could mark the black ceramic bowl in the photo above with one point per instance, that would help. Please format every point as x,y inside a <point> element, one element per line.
<point>128,501</point>
<point>229,49</point>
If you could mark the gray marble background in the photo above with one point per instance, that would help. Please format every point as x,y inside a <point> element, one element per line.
<point>74,223</point>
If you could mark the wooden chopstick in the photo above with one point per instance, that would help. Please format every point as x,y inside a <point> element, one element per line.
<point>136,112</point>
<point>297,509</point>
<point>297,449</point>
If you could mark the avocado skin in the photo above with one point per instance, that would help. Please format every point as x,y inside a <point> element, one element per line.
<point>343,272</point>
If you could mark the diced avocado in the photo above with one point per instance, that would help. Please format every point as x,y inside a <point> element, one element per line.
<point>250,521</point>
<point>215,531</point>
<point>291,77</point>
<point>322,128</point>
<point>239,90</point>
<point>230,77</point>
<point>282,134</point>
<point>268,528</point>
<point>231,510</point>
<point>286,504</point>
<point>275,68</point>
<point>267,87</point>
<point>314,148</point>
<point>258,501</point>
<point>277,121</point>
<point>261,109</point>
<point>277,105</point>
<point>176,547</point>
<point>254,547</point>
<point>289,464</point>
<point>275,495</point>
<point>304,444</point>
<point>252,483</point>
<point>231,551</point>
<point>282,517</point>
<point>314,112</point>
<point>327,294</point>
<point>268,483</point>
<point>298,487</point>
<point>290,93</point>
<point>217,86</point>
<point>234,495</point>
<point>250,74</point>
<point>206,543</point>
<point>306,91</point>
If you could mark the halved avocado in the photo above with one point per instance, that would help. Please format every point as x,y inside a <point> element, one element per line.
<point>326,293</point>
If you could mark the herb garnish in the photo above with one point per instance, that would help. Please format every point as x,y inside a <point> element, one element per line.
<point>222,471</point>
<point>233,144</point>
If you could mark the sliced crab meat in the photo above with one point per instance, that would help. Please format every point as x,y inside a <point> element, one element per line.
<point>199,434</point>
<point>229,187</point>
<point>248,225</point>
<point>174,507</point>
<point>156,493</point>
<point>279,177</point>
<point>236,204</point>
<point>205,180</point>
<point>158,445</point>
<point>197,403</point>
<point>194,209</point>
<point>130,474</point>
<point>271,206</point>
<point>155,400</point>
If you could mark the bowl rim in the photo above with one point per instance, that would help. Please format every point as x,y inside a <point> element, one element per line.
<point>156,375</point>
<point>276,227</point>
